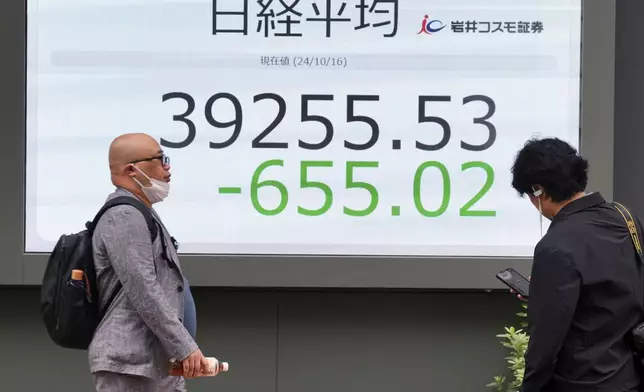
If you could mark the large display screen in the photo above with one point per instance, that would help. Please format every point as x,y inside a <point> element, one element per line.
<point>344,127</point>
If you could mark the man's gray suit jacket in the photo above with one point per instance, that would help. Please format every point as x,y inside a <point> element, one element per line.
<point>142,329</point>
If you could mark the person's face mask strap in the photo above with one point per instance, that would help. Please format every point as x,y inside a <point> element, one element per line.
<point>144,175</point>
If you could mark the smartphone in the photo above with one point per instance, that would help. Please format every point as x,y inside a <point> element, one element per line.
<point>515,281</point>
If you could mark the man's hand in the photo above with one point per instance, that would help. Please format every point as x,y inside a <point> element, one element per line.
<point>522,298</point>
<point>195,364</point>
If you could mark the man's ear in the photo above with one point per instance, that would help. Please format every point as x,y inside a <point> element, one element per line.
<point>130,171</point>
<point>533,199</point>
<point>537,191</point>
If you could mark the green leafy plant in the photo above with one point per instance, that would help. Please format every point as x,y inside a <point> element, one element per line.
<point>516,339</point>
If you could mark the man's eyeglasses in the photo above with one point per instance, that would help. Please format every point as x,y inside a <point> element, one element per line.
<point>165,160</point>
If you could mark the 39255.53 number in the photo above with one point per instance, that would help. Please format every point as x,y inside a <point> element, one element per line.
<point>366,103</point>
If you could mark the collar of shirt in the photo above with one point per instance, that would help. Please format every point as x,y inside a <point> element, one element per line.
<point>578,205</point>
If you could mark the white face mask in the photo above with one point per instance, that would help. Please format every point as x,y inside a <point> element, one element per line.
<point>157,191</point>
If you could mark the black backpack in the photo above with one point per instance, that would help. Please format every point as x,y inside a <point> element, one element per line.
<point>72,313</point>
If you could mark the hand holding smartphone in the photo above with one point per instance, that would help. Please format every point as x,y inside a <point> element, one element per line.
<point>515,281</point>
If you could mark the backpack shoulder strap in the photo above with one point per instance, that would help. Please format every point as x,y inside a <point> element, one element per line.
<point>120,200</point>
<point>147,214</point>
<point>632,229</point>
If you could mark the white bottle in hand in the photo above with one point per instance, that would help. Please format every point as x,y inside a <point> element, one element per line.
<point>216,366</point>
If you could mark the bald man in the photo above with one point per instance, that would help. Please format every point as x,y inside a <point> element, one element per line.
<point>142,329</point>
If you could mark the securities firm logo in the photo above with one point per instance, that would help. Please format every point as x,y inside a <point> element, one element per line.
<point>430,26</point>
<point>519,27</point>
